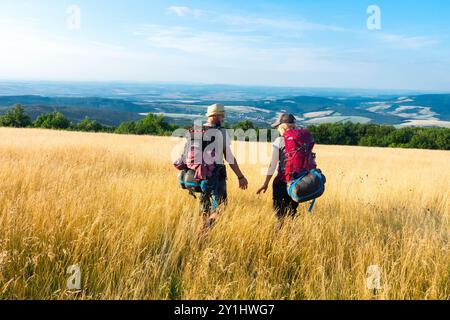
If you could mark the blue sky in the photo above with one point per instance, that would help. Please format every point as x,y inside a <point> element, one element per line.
<point>321,43</point>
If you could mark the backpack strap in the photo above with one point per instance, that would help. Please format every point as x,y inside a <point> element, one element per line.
<point>312,206</point>
<point>191,193</point>
<point>215,197</point>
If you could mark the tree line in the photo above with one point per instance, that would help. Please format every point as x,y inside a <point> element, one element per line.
<point>151,124</point>
<point>372,135</point>
<point>352,134</point>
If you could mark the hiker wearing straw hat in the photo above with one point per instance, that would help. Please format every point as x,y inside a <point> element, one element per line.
<point>215,120</point>
<point>203,171</point>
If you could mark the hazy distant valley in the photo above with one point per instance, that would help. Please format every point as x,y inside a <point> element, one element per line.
<point>113,103</point>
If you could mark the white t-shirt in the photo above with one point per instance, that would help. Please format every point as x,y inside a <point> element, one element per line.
<point>278,143</point>
<point>278,157</point>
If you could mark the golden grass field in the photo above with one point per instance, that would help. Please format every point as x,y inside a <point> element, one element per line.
<point>111,204</point>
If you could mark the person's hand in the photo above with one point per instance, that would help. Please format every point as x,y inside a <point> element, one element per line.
<point>263,189</point>
<point>243,183</point>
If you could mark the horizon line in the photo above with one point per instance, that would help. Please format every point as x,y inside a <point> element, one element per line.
<point>188,83</point>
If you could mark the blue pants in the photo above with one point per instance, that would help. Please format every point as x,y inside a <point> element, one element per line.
<point>209,201</point>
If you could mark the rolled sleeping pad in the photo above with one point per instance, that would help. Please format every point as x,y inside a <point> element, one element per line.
<point>181,177</point>
<point>308,186</point>
<point>191,183</point>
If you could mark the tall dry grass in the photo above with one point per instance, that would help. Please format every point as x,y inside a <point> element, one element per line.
<point>111,204</point>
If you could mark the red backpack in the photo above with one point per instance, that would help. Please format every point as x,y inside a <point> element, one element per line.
<point>299,144</point>
<point>304,181</point>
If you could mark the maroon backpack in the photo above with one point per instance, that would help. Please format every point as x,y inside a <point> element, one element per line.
<point>299,144</point>
<point>197,164</point>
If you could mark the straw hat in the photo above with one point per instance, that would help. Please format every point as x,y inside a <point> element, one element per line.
<point>216,109</point>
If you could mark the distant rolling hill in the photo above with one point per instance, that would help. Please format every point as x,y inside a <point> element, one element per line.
<point>106,111</point>
<point>413,110</point>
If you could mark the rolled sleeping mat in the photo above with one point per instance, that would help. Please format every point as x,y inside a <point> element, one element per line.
<point>308,186</point>
<point>181,177</point>
<point>190,183</point>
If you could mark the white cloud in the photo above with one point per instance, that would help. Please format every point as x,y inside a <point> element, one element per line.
<point>174,53</point>
<point>244,59</point>
<point>254,22</point>
<point>282,24</point>
<point>29,53</point>
<point>405,42</point>
<point>187,40</point>
<point>184,11</point>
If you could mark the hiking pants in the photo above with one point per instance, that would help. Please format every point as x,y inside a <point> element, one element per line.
<point>282,202</point>
<point>210,201</point>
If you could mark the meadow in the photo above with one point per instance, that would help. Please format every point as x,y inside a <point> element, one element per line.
<point>111,205</point>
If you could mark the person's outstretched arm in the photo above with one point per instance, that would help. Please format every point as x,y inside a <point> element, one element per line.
<point>231,159</point>
<point>271,171</point>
